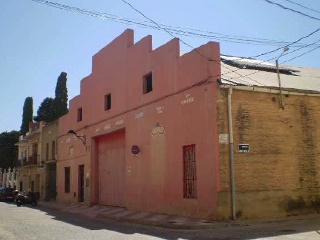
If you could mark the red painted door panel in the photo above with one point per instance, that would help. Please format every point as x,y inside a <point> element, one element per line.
<point>111,155</point>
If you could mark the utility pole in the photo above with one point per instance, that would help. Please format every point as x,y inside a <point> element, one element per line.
<point>285,49</point>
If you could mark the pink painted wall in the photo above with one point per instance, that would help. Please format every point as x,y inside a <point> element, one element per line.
<point>183,102</point>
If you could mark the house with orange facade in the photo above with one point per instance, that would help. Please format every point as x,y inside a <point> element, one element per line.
<point>195,134</point>
<point>141,134</point>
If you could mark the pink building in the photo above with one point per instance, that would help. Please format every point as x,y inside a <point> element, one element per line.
<point>147,130</point>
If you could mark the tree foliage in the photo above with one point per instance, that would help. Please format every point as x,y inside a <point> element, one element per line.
<point>61,96</point>
<point>52,108</point>
<point>8,150</point>
<point>46,111</point>
<point>27,115</point>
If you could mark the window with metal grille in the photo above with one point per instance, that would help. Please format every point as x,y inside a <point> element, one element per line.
<point>67,179</point>
<point>189,171</point>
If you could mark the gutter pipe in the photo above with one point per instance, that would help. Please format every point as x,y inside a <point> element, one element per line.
<point>233,192</point>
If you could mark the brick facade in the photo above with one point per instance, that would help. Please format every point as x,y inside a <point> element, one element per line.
<point>280,173</point>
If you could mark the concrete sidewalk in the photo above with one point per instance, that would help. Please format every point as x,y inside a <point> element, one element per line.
<point>122,214</point>
<point>161,220</point>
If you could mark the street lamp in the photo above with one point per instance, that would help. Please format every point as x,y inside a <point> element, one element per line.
<point>285,49</point>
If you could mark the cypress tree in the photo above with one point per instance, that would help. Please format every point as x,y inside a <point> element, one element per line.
<point>27,115</point>
<point>61,96</point>
<point>45,111</point>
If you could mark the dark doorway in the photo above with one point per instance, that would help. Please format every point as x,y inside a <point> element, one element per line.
<point>81,183</point>
<point>52,182</point>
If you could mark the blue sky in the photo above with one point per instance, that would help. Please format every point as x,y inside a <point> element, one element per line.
<point>38,42</point>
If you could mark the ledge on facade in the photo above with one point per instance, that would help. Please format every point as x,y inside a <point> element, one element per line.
<point>22,138</point>
<point>51,161</point>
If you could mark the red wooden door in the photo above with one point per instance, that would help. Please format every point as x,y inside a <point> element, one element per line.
<point>111,155</point>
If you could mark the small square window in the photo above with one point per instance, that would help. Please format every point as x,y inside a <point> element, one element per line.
<point>107,102</point>
<point>147,83</point>
<point>79,119</point>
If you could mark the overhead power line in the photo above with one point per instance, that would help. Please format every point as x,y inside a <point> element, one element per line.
<point>300,48</point>
<point>190,32</point>
<point>166,30</point>
<point>311,50</point>
<point>181,31</point>
<point>288,45</point>
<point>122,20</point>
<point>202,55</point>
<point>292,10</point>
<point>233,71</point>
<point>300,5</point>
<point>187,31</point>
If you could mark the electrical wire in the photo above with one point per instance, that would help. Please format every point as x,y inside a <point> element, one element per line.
<point>234,71</point>
<point>288,45</point>
<point>189,32</point>
<point>300,5</point>
<point>298,49</point>
<point>292,10</point>
<point>311,50</point>
<point>185,43</point>
<point>122,20</point>
<point>208,58</point>
<point>141,13</point>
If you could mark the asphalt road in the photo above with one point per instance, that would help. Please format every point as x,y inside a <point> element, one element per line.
<point>41,223</point>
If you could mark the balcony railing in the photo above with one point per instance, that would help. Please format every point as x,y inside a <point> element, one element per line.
<point>33,127</point>
<point>18,162</point>
<point>32,160</point>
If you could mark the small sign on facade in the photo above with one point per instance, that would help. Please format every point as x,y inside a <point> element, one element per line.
<point>243,147</point>
<point>223,138</point>
<point>158,130</point>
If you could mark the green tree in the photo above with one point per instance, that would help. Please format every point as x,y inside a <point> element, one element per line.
<point>61,96</point>
<point>8,150</point>
<point>45,111</point>
<point>27,115</point>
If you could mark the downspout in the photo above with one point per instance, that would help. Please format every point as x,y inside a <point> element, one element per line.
<point>233,192</point>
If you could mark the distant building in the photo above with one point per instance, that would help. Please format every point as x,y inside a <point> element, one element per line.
<point>154,130</point>
<point>36,168</point>
<point>148,120</point>
<point>30,161</point>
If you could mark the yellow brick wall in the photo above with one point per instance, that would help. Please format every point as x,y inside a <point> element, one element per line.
<point>281,173</point>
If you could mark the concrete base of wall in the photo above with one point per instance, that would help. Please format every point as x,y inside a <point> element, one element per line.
<point>264,204</point>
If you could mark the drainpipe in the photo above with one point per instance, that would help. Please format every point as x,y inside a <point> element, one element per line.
<point>233,192</point>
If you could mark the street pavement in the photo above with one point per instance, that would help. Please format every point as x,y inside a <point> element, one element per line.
<point>293,227</point>
<point>50,220</point>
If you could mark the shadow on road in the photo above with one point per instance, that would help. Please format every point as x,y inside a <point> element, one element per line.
<point>232,230</point>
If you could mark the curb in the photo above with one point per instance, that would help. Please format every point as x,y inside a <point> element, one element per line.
<point>163,220</point>
<point>142,218</point>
